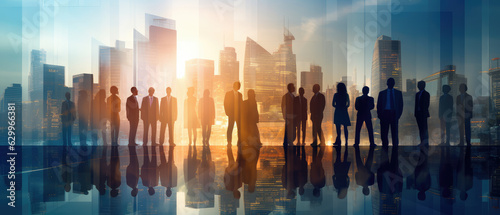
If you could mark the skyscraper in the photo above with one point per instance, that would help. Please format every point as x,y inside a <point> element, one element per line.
<point>386,63</point>
<point>200,75</point>
<point>115,66</point>
<point>411,85</point>
<point>285,62</point>
<point>449,76</point>
<point>38,58</point>
<point>53,96</point>
<point>309,78</point>
<point>12,95</point>
<point>229,67</point>
<point>495,87</point>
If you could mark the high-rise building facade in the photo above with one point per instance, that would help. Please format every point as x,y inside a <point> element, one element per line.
<point>38,58</point>
<point>115,67</point>
<point>53,96</point>
<point>12,97</point>
<point>495,87</point>
<point>200,75</point>
<point>229,67</point>
<point>386,63</point>
<point>309,78</point>
<point>285,62</point>
<point>448,76</point>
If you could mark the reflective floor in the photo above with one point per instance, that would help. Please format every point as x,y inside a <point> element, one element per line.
<point>257,180</point>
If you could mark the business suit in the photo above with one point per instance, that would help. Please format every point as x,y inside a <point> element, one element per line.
<point>389,113</point>
<point>364,104</point>
<point>289,116</point>
<point>422,101</point>
<point>114,105</point>
<point>317,106</point>
<point>132,109</point>
<point>465,106</point>
<point>232,107</point>
<point>300,108</point>
<point>445,115</point>
<point>168,116</point>
<point>68,116</point>
<point>150,112</point>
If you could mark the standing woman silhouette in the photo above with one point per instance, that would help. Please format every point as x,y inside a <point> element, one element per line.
<point>190,119</point>
<point>341,116</point>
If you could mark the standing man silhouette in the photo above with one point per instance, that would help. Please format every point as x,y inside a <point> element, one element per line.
<point>68,116</point>
<point>168,116</point>
<point>445,114</point>
<point>300,108</point>
<point>206,113</point>
<point>114,105</point>
<point>132,108</point>
<point>317,107</point>
<point>389,110</point>
<point>83,110</point>
<point>422,101</point>
<point>288,115</point>
<point>465,105</point>
<point>232,107</point>
<point>150,112</point>
<point>364,104</point>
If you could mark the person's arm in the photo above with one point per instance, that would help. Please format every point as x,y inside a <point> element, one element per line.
<point>162,109</point>
<point>157,109</point>
<point>356,104</point>
<point>333,101</point>
<point>174,109</point>
<point>322,104</point>
<point>348,101</point>
<point>283,104</point>
<point>212,108</point>
<point>371,104</point>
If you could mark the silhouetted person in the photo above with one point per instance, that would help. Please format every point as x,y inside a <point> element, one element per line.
<point>206,171</point>
<point>341,178</point>
<point>114,107</point>
<point>422,102</point>
<point>250,157</point>
<point>301,169</point>
<point>206,112</point>
<point>150,112</point>
<point>364,175</point>
<point>190,118</point>
<point>99,117</point>
<point>464,172</point>
<point>287,172</point>
<point>190,167</point>
<point>83,116</point>
<point>115,176</point>
<point>132,173</point>
<point>249,119</point>
<point>133,115</point>
<point>66,170</point>
<point>300,108</point>
<point>445,114</point>
<point>168,116</point>
<point>232,173</point>
<point>232,107</point>
<point>317,107</point>
<point>317,172</point>
<point>389,176</point>
<point>101,171</point>
<point>422,174</point>
<point>446,172</point>
<point>149,170</point>
<point>341,117</point>
<point>364,104</point>
<point>288,115</point>
<point>68,116</point>
<point>167,170</point>
<point>82,174</point>
<point>465,105</point>
<point>389,110</point>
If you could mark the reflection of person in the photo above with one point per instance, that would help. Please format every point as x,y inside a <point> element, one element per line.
<point>149,170</point>
<point>422,101</point>
<point>446,177</point>
<point>150,112</point>
<point>115,177</point>
<point>301,169</point>
<point>288,115</point>
<point>287,172</point>
<point>464,172</point>
<point>300,108</point>
<point>317,172</point>
<point>132,173</point>
<point>114,108</point>
<point>232,173</point>
<point>101,171</point>
<point>190,118</point>
<point>249,119</point>
<point>422,174</point>
<point>317,107</point>
<point>364,104</point>
<point>389,110</point>
<point>99,115</point>
<point>168,116</point>
<point>206,170</point>
<point>206,112</point>
<point>341,178</point>
<point>83,115</point>
<point>464,113</point>
<point>68,116</point>
<point>364,175</point>
<point>341,117</point>
<point>66,171</point>
<point>389,176</point>
<point>167,170</point>
<point>132,115</point>
<point>190,167</point>
<point>250,157</point>
<point>445,114</point>
<point>232,105</point>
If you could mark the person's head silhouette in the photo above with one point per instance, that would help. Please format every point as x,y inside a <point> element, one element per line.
<point>236,86</point>
<point>366,90</point>
<point>134,192</point>
<point>391,83</point>
<point>151,91</point>
<point>114,193</point>
<point>366,191</point>
<point>301,91</point>
<point>67,95</point>
<point>301,191</point>
<point>291,88</point>
<point>341,88</point>
<point>190,91</point>
<point>446,89</point>
<point>169,191</point>
<point>463,195</point>
<point>236,194</point>
<point>206,93</point>
<point>169,91</point>
<point>421,195</point>
<point>251,95</point>
<point>316,88</point>
<point>316,192</point>
<point>151,191</point>
<point>113,90</point>
<point>421,85</point>
<point>462,88</point>
<point>134,91</point>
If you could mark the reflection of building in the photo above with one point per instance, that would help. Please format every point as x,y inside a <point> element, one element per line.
<point>229,68</point>
<point>495,87</point>
<point>115,67</point>
<point>12,95</point>
<point>309,79</point>
<point>38,58</point>
<point>449,76</point>
<point>200,75</point>
<point>386,63</point>
<point>53,96</point>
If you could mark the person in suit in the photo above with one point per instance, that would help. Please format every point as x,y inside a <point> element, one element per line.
<point>364,175</point>
<point>465,106</point>
<point>317,172</point>
<point>149,170</point>
<point>300,108</point>
<point>341,117</point>
<point>132,108</point>
<point>83,116</point>
<point>422,174</point>
<point>301,168</point>
<point>232,173</point>
<point>206,112</point>
<point>190,118</point>
<point>168,116</point>
<point>249,118</point>
<point>68,116</point>
<point>445,114</point>
<point>99,117</point>
<point>465,172</point>
<point>150,112</point>
<point>364,104</point>
<point>132,173</point>
<point>389,110</point>
<point>114,108</point>
<point>422,101</point>
<point>317,106</point>
<point>115,176</point>
<point>288,115</point>
<point>232,107</point>
<point>167,170</point>
<point>389,175</point>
